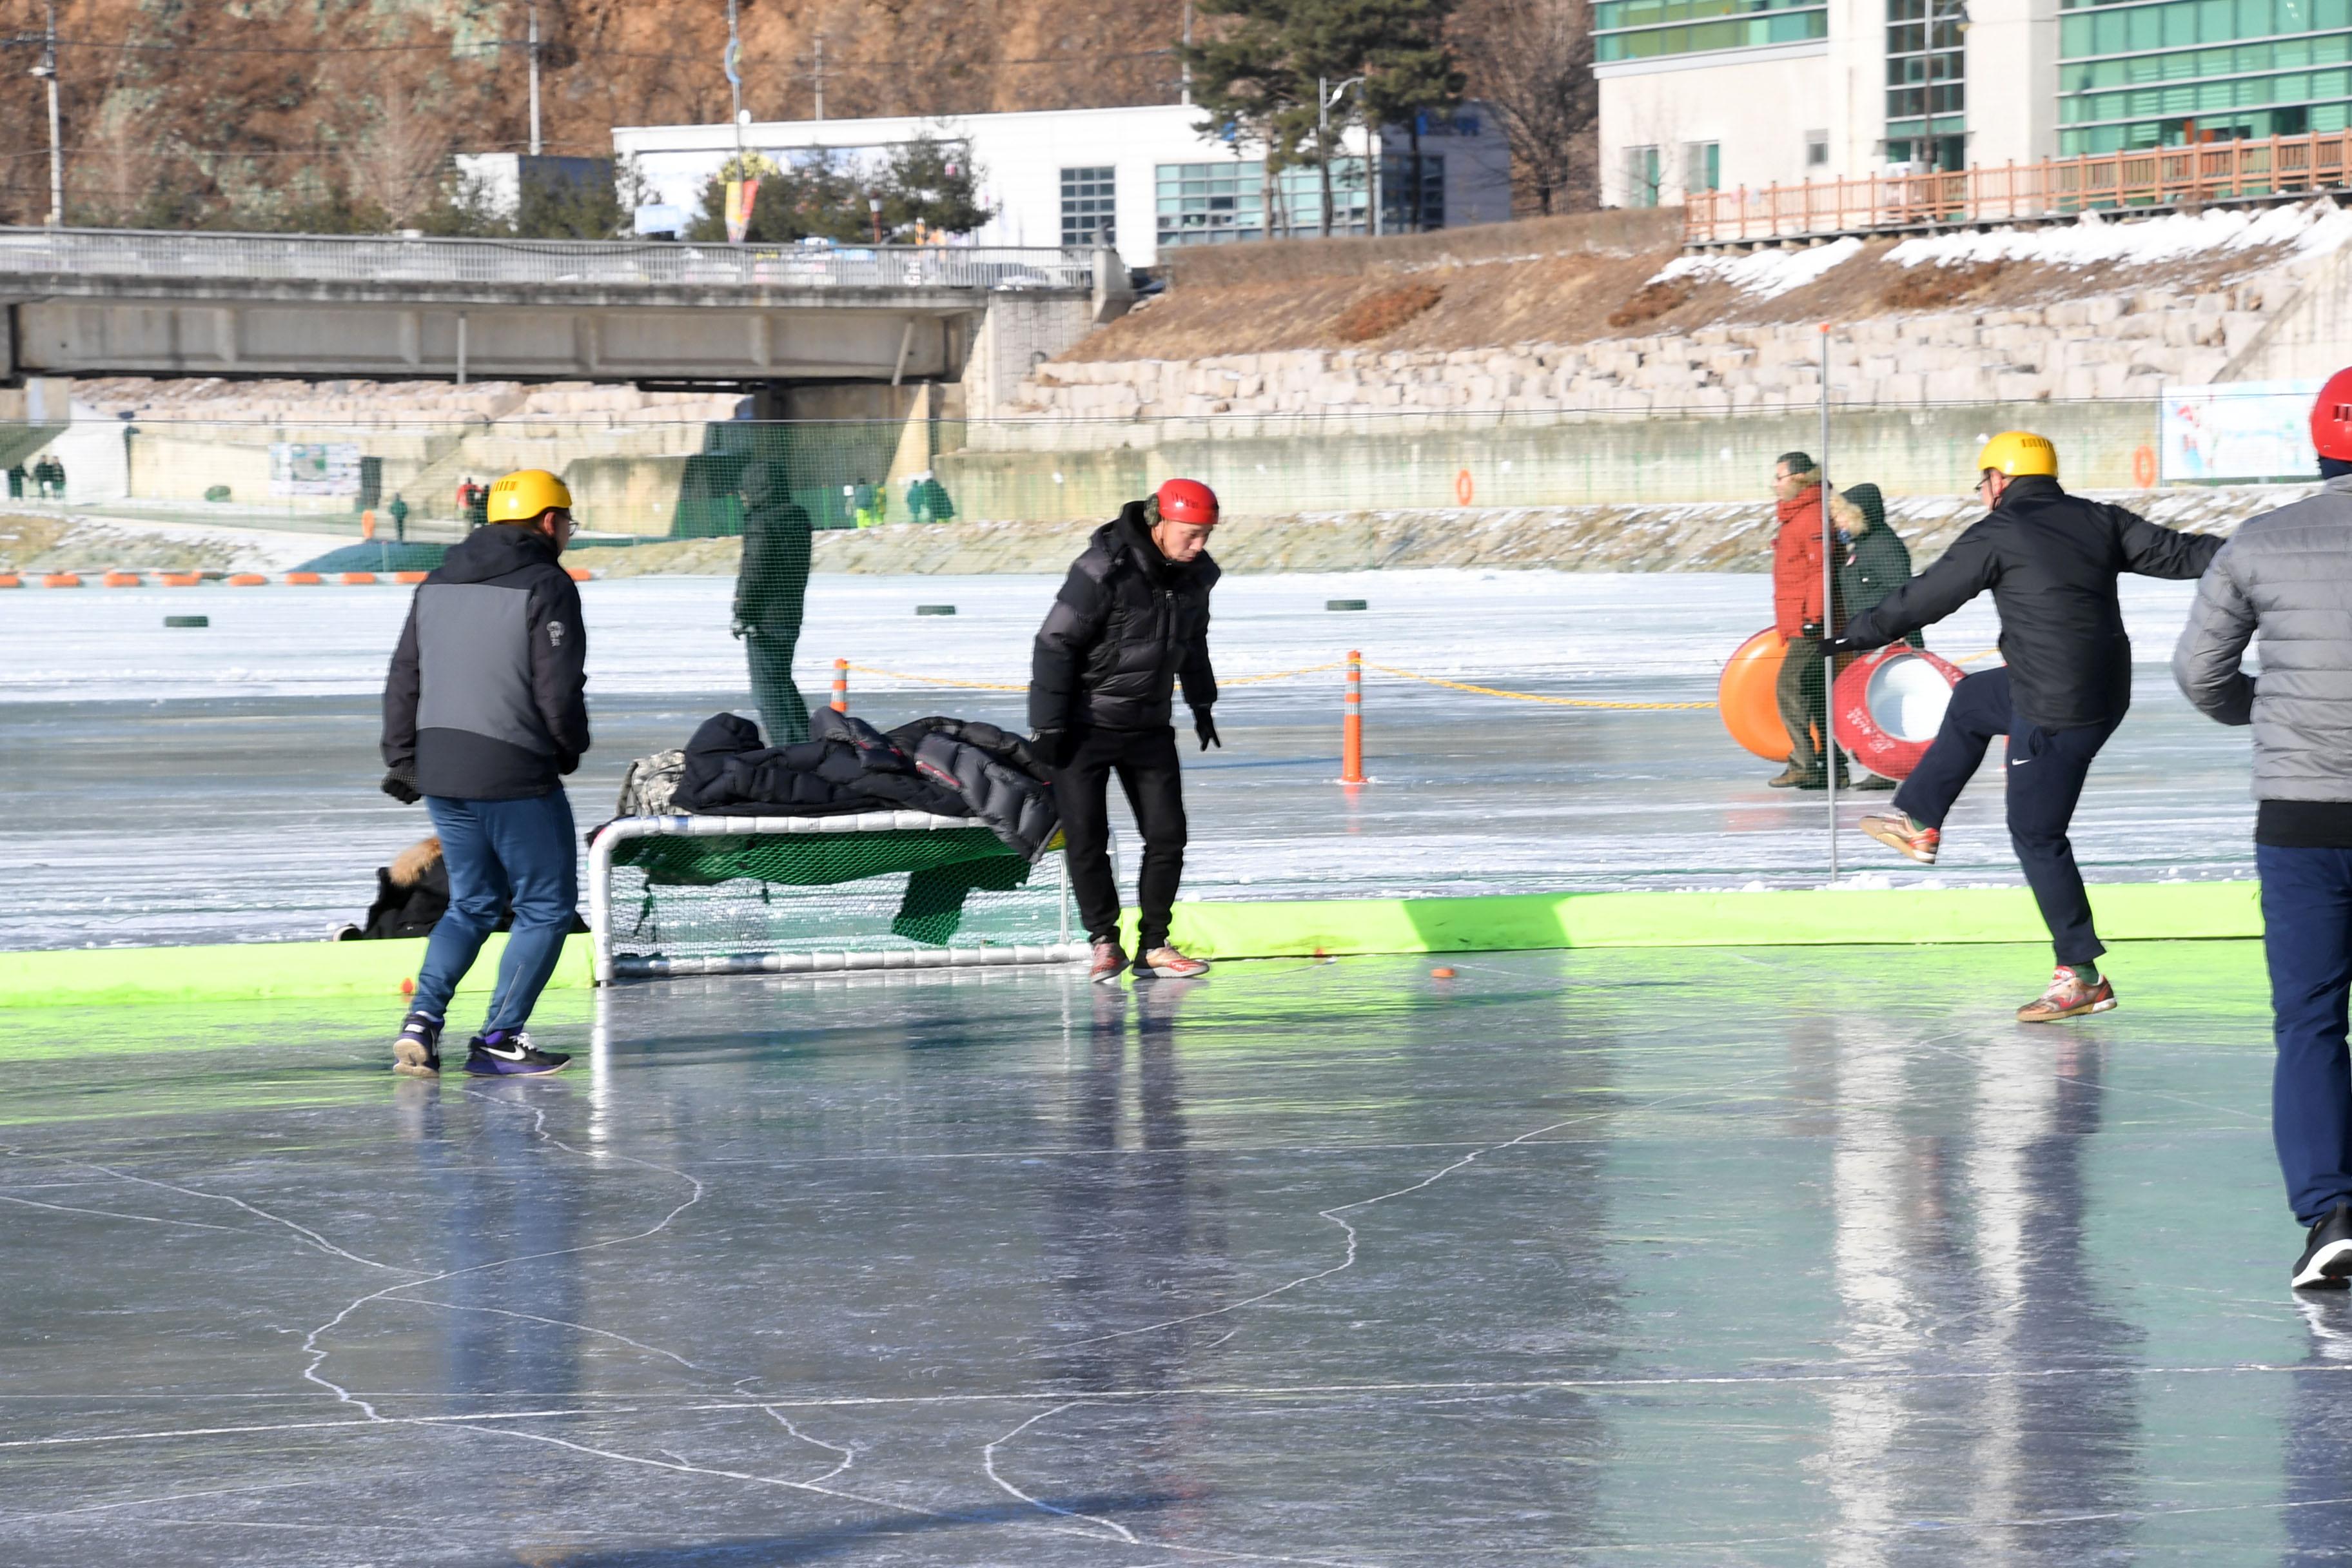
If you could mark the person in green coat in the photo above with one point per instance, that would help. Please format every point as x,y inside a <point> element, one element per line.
<point>771,590</point>
<point>1876,561</point>
<point>1872,563</point>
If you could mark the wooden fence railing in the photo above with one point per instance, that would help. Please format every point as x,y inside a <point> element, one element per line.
<point>2057,187</point>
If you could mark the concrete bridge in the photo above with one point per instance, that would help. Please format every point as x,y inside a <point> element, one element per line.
<point>105,301</point>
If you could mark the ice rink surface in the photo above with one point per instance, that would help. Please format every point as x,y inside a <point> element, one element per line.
<point>1784,1256</point>
<point>218,783</point>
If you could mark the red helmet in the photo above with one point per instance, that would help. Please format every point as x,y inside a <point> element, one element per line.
<point>1189,501</point>
<point>2331,419</point>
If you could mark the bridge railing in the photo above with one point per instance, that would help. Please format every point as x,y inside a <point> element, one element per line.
<point>2016,193</point>
<point>387,258</point>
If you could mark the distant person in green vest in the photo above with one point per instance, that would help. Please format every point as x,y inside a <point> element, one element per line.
<point>399,510</point>
<point>771,589</point>
<point>50,475</point>
<point>1872,563</point>
<point>927,498</point>
<point>866,504</point>
<point>17,481</point>
<point>478,505</point>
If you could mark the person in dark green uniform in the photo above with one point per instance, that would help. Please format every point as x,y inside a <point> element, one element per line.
<point>769,591</point>
<point>1876,561</point>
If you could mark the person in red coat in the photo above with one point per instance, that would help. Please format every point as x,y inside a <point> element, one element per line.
<point>1800,616</point>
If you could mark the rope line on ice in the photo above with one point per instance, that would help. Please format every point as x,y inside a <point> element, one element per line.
<point>1317,669</point>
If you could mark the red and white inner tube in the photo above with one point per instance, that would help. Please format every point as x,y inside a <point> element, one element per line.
<point>1890,704</point>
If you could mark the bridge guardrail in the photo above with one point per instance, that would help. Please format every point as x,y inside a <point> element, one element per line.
<point>388,258</point>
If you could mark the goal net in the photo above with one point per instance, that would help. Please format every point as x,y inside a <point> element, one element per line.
<point>880,890</point>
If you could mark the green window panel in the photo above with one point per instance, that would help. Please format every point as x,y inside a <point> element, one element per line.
<point>1699,38</point>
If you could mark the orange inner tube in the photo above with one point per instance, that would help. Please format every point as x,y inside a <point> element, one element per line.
<point>1746,697</point>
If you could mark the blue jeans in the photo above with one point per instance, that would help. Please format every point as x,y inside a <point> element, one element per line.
<point>2046,769</point>
<point>521,853</point>
<point>2307,936</point>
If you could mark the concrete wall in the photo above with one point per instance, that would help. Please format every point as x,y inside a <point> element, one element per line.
<point>1389,464</point>
<point>1019,333</point>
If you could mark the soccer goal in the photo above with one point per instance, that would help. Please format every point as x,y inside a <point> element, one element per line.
<point>803,895</point>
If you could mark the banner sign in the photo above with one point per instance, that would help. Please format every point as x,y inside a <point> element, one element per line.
<point>741,195</point>
<point>2239,432</point>
<point>314,469</point>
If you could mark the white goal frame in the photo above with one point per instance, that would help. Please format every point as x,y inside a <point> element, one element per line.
<point>622,829</point>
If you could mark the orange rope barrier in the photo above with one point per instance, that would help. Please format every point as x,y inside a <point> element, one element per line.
<point>1531,696</point>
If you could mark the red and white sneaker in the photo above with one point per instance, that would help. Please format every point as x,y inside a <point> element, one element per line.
<point>1167,963</point>
<point>2068,997</point>
<point>1904,836</point>
<point>1109,960</point>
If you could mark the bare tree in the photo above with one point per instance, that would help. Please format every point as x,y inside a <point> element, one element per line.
<point>1530,62</point>
<point>397,159</point>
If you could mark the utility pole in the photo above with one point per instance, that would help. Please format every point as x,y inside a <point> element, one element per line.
<point>820,74</point>
<point>1186,97</point>
<point>47,70</point>
<point>534,77</point>
<point>735,85</point>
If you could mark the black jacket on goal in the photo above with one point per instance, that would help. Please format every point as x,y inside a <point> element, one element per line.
<point>2052,560</point>
<point>488,695</point>
<point>1127,625</point>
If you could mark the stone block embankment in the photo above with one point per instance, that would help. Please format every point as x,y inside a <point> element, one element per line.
<point>2105,346</point>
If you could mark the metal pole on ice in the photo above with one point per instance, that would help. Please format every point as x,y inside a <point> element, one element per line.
<point>1829,617</point>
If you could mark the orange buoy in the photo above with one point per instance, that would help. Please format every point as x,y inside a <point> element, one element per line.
<point>306,579</point>
<point>359,579</point>
<point>10,580</point>
<point>580,573</point>
<point>1746,697</point>
<point>122,580</point>
<point>408,577</point>
<point>1441,974</point>
<point>1890,704</point>
<point>182,579</point>
<point>61,580</point>
<point>247,580</point>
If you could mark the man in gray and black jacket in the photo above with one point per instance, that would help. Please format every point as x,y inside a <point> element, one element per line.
<point>2287,578</point>
<point>485,710</point>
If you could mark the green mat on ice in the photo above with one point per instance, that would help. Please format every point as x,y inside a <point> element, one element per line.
<point>2128,912</point>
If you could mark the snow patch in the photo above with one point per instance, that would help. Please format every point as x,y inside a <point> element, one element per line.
<point>2312,229</point>
<point>1763,274</point>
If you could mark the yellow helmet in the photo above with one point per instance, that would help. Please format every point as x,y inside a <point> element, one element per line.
<point>2017,453</point>
<point>525,493</point>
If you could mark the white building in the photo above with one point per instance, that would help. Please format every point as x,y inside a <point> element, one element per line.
<point>1146,176</point>
<point>1785,91</point>
<point>1814,89</point>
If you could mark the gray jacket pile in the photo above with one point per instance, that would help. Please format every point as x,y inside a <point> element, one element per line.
<point>2291,570</point>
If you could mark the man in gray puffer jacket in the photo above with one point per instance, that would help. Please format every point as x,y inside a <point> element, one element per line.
<point>2287,577</point>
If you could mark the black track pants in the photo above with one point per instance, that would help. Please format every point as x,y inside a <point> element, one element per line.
<point>2045,772</point>
<point>782,713</point>
<point>1145,762</point>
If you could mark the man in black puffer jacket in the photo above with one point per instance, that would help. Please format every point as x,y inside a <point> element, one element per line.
<point>2052,560</point>
<point>1131,620</point>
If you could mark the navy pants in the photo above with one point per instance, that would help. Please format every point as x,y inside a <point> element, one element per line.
<point>2045,773</point>
<point>2307,936</point>
<point>501,852</point>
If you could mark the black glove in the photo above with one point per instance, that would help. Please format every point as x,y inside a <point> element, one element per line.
<point>401,788</point>
<point>1053,747</point>
<point>1838,647</point>
<point>737,629</point>
<point>1811,629</point>
<point>1206,727</point>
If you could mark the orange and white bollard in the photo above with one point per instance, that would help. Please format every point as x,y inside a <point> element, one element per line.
<point>1351,723</point>
<point>840,685</point>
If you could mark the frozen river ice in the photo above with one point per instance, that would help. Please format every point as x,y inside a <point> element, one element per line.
<point>219,784</point>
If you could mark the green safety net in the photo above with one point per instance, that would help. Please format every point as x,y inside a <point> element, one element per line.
<point>942,868</point>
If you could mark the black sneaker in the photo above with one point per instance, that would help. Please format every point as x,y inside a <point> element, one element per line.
<point>417,1051</point>
<point>2326,1260</point>
<point>508,1053</point>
